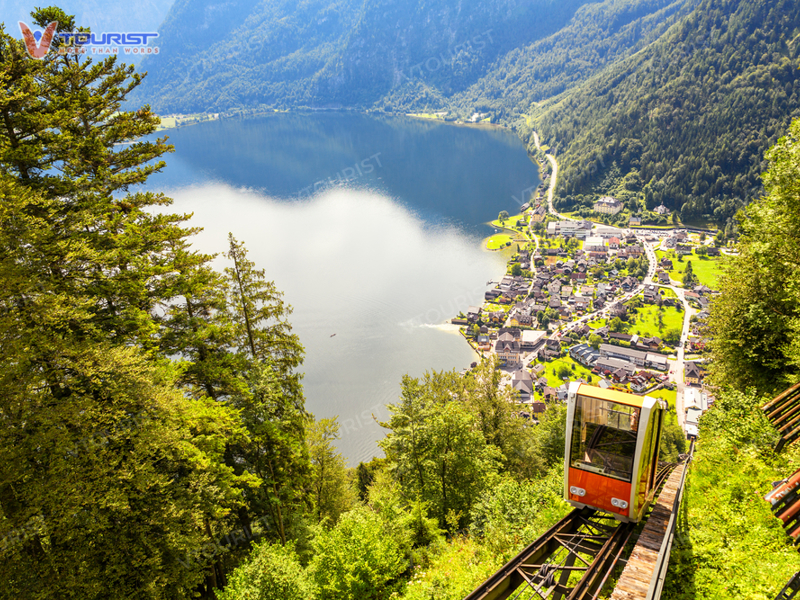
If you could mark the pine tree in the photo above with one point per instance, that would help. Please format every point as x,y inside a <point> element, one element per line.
<point>112,477</point>
<point>689,278</point>
<point>272,405</point>
<point>120,471</point>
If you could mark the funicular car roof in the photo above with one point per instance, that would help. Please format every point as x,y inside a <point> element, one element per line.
<point>611,395</point>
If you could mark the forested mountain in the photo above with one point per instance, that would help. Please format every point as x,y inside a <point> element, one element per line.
<point>346,53</point>
<point>393,55</point>
<point>687,120</point>
<point>650,100</point>
<point>598,35</point>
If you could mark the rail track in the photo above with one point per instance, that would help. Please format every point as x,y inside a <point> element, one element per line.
<point>571,561</point>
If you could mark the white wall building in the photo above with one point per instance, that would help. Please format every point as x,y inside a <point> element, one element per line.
<point>608,206</point>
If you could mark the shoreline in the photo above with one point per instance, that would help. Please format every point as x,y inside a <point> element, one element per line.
<point>203,117</point>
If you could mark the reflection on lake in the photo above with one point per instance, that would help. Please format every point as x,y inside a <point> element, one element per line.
<point>360,266</point>
<point>443,173</point>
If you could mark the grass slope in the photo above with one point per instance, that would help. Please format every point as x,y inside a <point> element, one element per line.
<point>728,543</point>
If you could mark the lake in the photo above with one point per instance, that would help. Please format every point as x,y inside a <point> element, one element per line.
<point>371,226</point>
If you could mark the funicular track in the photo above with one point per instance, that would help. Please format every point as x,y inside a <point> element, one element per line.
<point>571,561</point>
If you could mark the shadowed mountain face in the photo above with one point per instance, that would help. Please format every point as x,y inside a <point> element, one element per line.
<point>247,53</point>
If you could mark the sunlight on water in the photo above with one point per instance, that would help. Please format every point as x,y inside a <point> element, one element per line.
<point>371,286</point>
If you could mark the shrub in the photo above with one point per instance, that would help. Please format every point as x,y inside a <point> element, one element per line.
<point>273,572</point>
<point>357,559</point>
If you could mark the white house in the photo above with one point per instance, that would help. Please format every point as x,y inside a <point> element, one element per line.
<point>608,205</point>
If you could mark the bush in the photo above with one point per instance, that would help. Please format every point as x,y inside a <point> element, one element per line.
<point>273,572</point>
<point>513,513</point>
<point>357,559</point>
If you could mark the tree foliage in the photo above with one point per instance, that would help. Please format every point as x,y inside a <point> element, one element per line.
<point>755,323</point>
<point>358,558</point>
<point>510,514</point>
<point>272,572</point>
<point>148,422</point>
<point>332,490</point>
<point>437,448</point>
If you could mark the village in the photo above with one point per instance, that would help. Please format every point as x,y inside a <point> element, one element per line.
<point>620,308</point>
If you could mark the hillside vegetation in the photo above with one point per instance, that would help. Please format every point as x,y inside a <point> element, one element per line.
<point>688,119</point>
<point>728,544</point>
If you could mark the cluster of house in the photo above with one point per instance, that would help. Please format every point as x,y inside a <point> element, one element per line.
<point>508,290</point>
<point>679,241</point>
<point>624,365</point>
<point>698,342</point>
<point>569,297</point>
<point>662,274</point>
<point>700,295</point>
<point>523,257</point>
<point>550,290</point>
<point>526,382</point>
<point>652,294</point>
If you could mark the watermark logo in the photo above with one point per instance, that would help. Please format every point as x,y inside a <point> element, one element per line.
<point>36,42</point>
<point>345,176</point>
<point>107,42</point>
<point>434,63</point>
<point>39,43</point>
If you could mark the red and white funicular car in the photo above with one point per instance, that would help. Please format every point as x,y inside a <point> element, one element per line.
<point>611,455</point>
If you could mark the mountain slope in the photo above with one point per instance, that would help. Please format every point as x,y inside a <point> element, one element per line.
<point>247,53</point>
<point>597,36</point>
<point>686,120</point>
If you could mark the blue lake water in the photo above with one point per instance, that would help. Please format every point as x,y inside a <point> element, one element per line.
<point>370,225</point>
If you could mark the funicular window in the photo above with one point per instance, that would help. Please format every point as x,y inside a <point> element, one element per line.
<point>604,437</point>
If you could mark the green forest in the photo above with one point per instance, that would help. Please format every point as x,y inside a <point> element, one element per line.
<point>687,119</point>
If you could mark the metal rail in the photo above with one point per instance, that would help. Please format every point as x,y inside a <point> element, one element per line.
<point>571,561</point>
